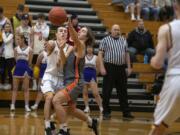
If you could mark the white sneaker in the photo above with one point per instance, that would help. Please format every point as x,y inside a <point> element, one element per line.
<point>12,107</point>
<point>27,109</point>
<point>138,18</point>
<point>34,87</point>
<point>101,109</point>
<point>126,9</point>
<point>87,110</point>
<point>133,18</point>
<point>34,107</point>
<point>7,87</point>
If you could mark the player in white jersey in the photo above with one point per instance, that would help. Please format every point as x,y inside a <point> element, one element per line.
<point>90,71</point>
<point>26,30</point>
<point>53,77</point>
<point>22,71</point>
<point>167,110</point>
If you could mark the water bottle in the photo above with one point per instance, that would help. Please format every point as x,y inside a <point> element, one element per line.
<point>145,59</point>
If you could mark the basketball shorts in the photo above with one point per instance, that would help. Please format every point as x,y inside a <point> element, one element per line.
<point>72,91</point>
<point>51,83</point>
<point>167,109</point>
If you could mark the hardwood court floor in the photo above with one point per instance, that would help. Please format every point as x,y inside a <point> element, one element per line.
<point>21,123</point>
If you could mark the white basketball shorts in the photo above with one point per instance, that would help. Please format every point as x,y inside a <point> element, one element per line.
<point>51,83</point>
<point>167,109</point>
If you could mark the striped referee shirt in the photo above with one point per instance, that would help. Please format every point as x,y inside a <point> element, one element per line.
<point>114,50</point>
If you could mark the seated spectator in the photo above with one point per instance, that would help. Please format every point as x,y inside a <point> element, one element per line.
<point>140,42</point>
<point>166,10</point>
<point>129,4</point>
<point>133,5</point>
<point>149,10</point>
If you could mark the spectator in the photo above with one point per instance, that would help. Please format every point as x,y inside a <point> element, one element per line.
<point>113,67</point>
<point>149,10</point>
<point>140,42</point>
<point>3,21</point>
<point>40,33</point>
<point>166,9</point>
<point>129,4</point>
<point>40,66</point>
<point>25,29</point>
<point>16,19</point>
<point>133,5</point>
<point>8,53</point>
<point>75,23</point>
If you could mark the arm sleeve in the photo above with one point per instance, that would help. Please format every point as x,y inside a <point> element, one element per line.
<point>45,33</point>
<point>7,39</point>
<point>102,46</point>
<point>126,46</point>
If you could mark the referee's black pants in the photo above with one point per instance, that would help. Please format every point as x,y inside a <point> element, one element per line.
<point>116,77</point>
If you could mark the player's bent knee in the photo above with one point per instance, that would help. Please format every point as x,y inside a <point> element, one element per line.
<point>48,96</point>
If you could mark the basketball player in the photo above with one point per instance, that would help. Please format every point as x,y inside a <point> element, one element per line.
<point>73,78</point>
<point>53,76</point>
<point>167,110</point>
<point>22,71</point>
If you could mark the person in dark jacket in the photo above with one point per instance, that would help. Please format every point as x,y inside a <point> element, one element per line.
<point>140,42</point>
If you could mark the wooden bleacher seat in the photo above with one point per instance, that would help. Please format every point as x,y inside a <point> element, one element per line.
<point>10,6</point>
<point>146,74</point>
<point>6,95</point>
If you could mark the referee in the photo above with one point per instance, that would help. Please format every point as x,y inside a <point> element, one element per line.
<point>113,68</point>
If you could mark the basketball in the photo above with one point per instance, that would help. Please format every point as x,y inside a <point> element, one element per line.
<point>57,16</point>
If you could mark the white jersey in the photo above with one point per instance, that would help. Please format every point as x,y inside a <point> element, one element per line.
<point>8,45</point>
<point>23,53</point>
<point>39,43</point>
<point>90,62</point>
<point>52,62</point>
<point>26,31</point>
<point>174,53</point>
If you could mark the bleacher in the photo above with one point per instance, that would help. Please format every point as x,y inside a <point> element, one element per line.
<point>99,16</point>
